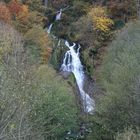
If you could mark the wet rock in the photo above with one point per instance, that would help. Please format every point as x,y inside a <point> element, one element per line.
<point>65,74</point>
<point>89,86</point>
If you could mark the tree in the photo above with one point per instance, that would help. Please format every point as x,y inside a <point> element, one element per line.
<point>38,37</point>
<point>100,19</point>
<point>124,9</point>
<point>35,5</point>
<point>91,31</point>
<point>24,18</point>
<point>128,134</point>
<point>24,13</point>
<point>80,8</point>
<point>119,106</point>
<point>15,7</point>
<point>57,4</point>
<point>33,103</point>
<point>14,84</point>
<point>4,13</point>
<point>56,110</point>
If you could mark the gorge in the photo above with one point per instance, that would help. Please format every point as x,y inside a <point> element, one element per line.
<point>69,70</point>
<point>72,63</point>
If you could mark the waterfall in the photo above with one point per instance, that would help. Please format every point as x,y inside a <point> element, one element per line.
<point>46,3</point>
<point>49,29</point>
<point>58,16</point>
<point>59,42</point>
<point>72,63</point>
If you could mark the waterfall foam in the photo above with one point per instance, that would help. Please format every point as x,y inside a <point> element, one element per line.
<point>49,29</point>
<point>72,63</point>
<point>58,16</point>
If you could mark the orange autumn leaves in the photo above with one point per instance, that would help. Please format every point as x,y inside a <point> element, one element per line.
<point>18,10</point>
<point>4,13</point>
<point>27,22</point>
<point>13,9</point>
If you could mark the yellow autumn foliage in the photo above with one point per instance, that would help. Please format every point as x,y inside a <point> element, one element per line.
<point>39,37</point>
<point>25,9</point>
<point>103,23</point>
<point>100,19</point>
<point>23,15</point>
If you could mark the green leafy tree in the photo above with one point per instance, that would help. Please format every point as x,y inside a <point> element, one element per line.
<point>35,5</point>
<point>128,134</point>
<point>33,103</point>
<point>119,107</point>
<point>23,24</point>
<point>124,10</point>
<point>36,36</point>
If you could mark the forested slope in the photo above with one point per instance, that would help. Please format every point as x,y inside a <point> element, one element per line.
<point>119,107</point>
<point>37,101</point>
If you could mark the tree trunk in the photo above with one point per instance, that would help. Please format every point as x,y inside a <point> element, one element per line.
<point>138,8</point>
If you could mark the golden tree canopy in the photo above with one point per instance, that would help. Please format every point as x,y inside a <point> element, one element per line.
<point>100,19</point>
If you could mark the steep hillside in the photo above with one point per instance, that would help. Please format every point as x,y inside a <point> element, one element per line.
<point>119,107</point>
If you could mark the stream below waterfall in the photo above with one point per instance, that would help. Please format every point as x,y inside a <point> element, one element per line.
<point>72,63</point>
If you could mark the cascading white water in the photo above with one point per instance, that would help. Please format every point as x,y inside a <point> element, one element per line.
<point>46,3</point>
<point>72,63</point>
<point>58,16</point>
<point>49,29</point>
